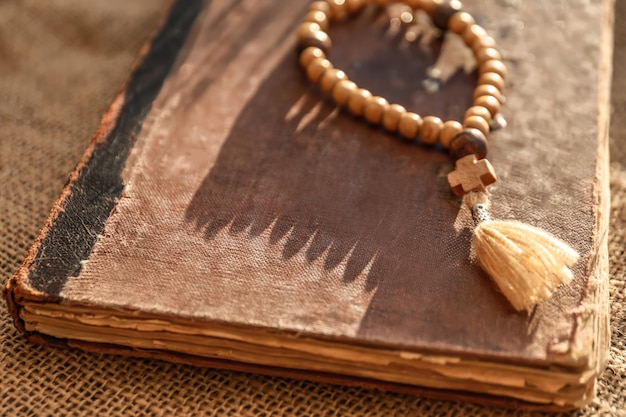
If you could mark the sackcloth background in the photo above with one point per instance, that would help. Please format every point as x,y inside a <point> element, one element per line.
<point>61,62</point>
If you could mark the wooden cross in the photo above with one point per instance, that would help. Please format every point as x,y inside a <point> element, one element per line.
<point>471,175</point>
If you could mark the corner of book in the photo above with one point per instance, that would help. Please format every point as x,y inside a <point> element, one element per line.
<point>586,351</point>
<point>14,291</point>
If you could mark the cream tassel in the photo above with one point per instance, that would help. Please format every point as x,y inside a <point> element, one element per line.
<point>526,263</point>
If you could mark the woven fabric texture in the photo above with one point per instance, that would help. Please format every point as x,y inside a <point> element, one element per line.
<point>61,62</point>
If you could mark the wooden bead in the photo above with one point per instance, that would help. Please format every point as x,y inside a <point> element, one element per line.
<point>307,29</point>
<point>488,90</point>
<point>309,54</point>
<point>477,122</point>
<point>410,125</point>
<point>442,13</point>
<point>391,117</point>
<point>483,42</point>
<point>429,5</point>
<point>357,101</point>
<point>355,6</point>
<point>491,78</point>
<point>310,34</point>
<point>330,78</point>
<point>472,33</point>
<point>493,65</point>
<point>450,129</point>
<point>456,4</point>
<point>429,133</point>
<point>342,91</point>
<point>478,111</point>
<point>338,9</point>
<point>321,5</point>
<point>460,21</point>
<point>486,54</point>
<point>375,107</point>
<point>489,102</point>
<point>317,16</point>
<point>316,69</point>
<point>468,142</point>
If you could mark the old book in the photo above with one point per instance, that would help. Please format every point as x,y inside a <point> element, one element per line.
<point>226,214</point>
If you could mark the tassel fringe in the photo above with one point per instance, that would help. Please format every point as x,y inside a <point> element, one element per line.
<point>526,263</point>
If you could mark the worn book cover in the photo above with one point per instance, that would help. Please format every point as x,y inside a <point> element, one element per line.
<point>227,214</point>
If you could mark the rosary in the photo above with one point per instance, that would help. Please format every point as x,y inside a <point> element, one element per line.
<point>525,262</point>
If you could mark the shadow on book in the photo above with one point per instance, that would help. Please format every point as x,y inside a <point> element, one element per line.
<point>332,189</point>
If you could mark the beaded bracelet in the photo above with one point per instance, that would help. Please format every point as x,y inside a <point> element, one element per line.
<point>526,263</point>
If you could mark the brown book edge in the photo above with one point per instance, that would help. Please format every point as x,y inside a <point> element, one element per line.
<point>19,288</point>
<point>597,285</point>
<point>320,377</point>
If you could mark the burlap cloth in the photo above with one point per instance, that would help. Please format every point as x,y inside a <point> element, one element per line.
<point>61,62</point>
